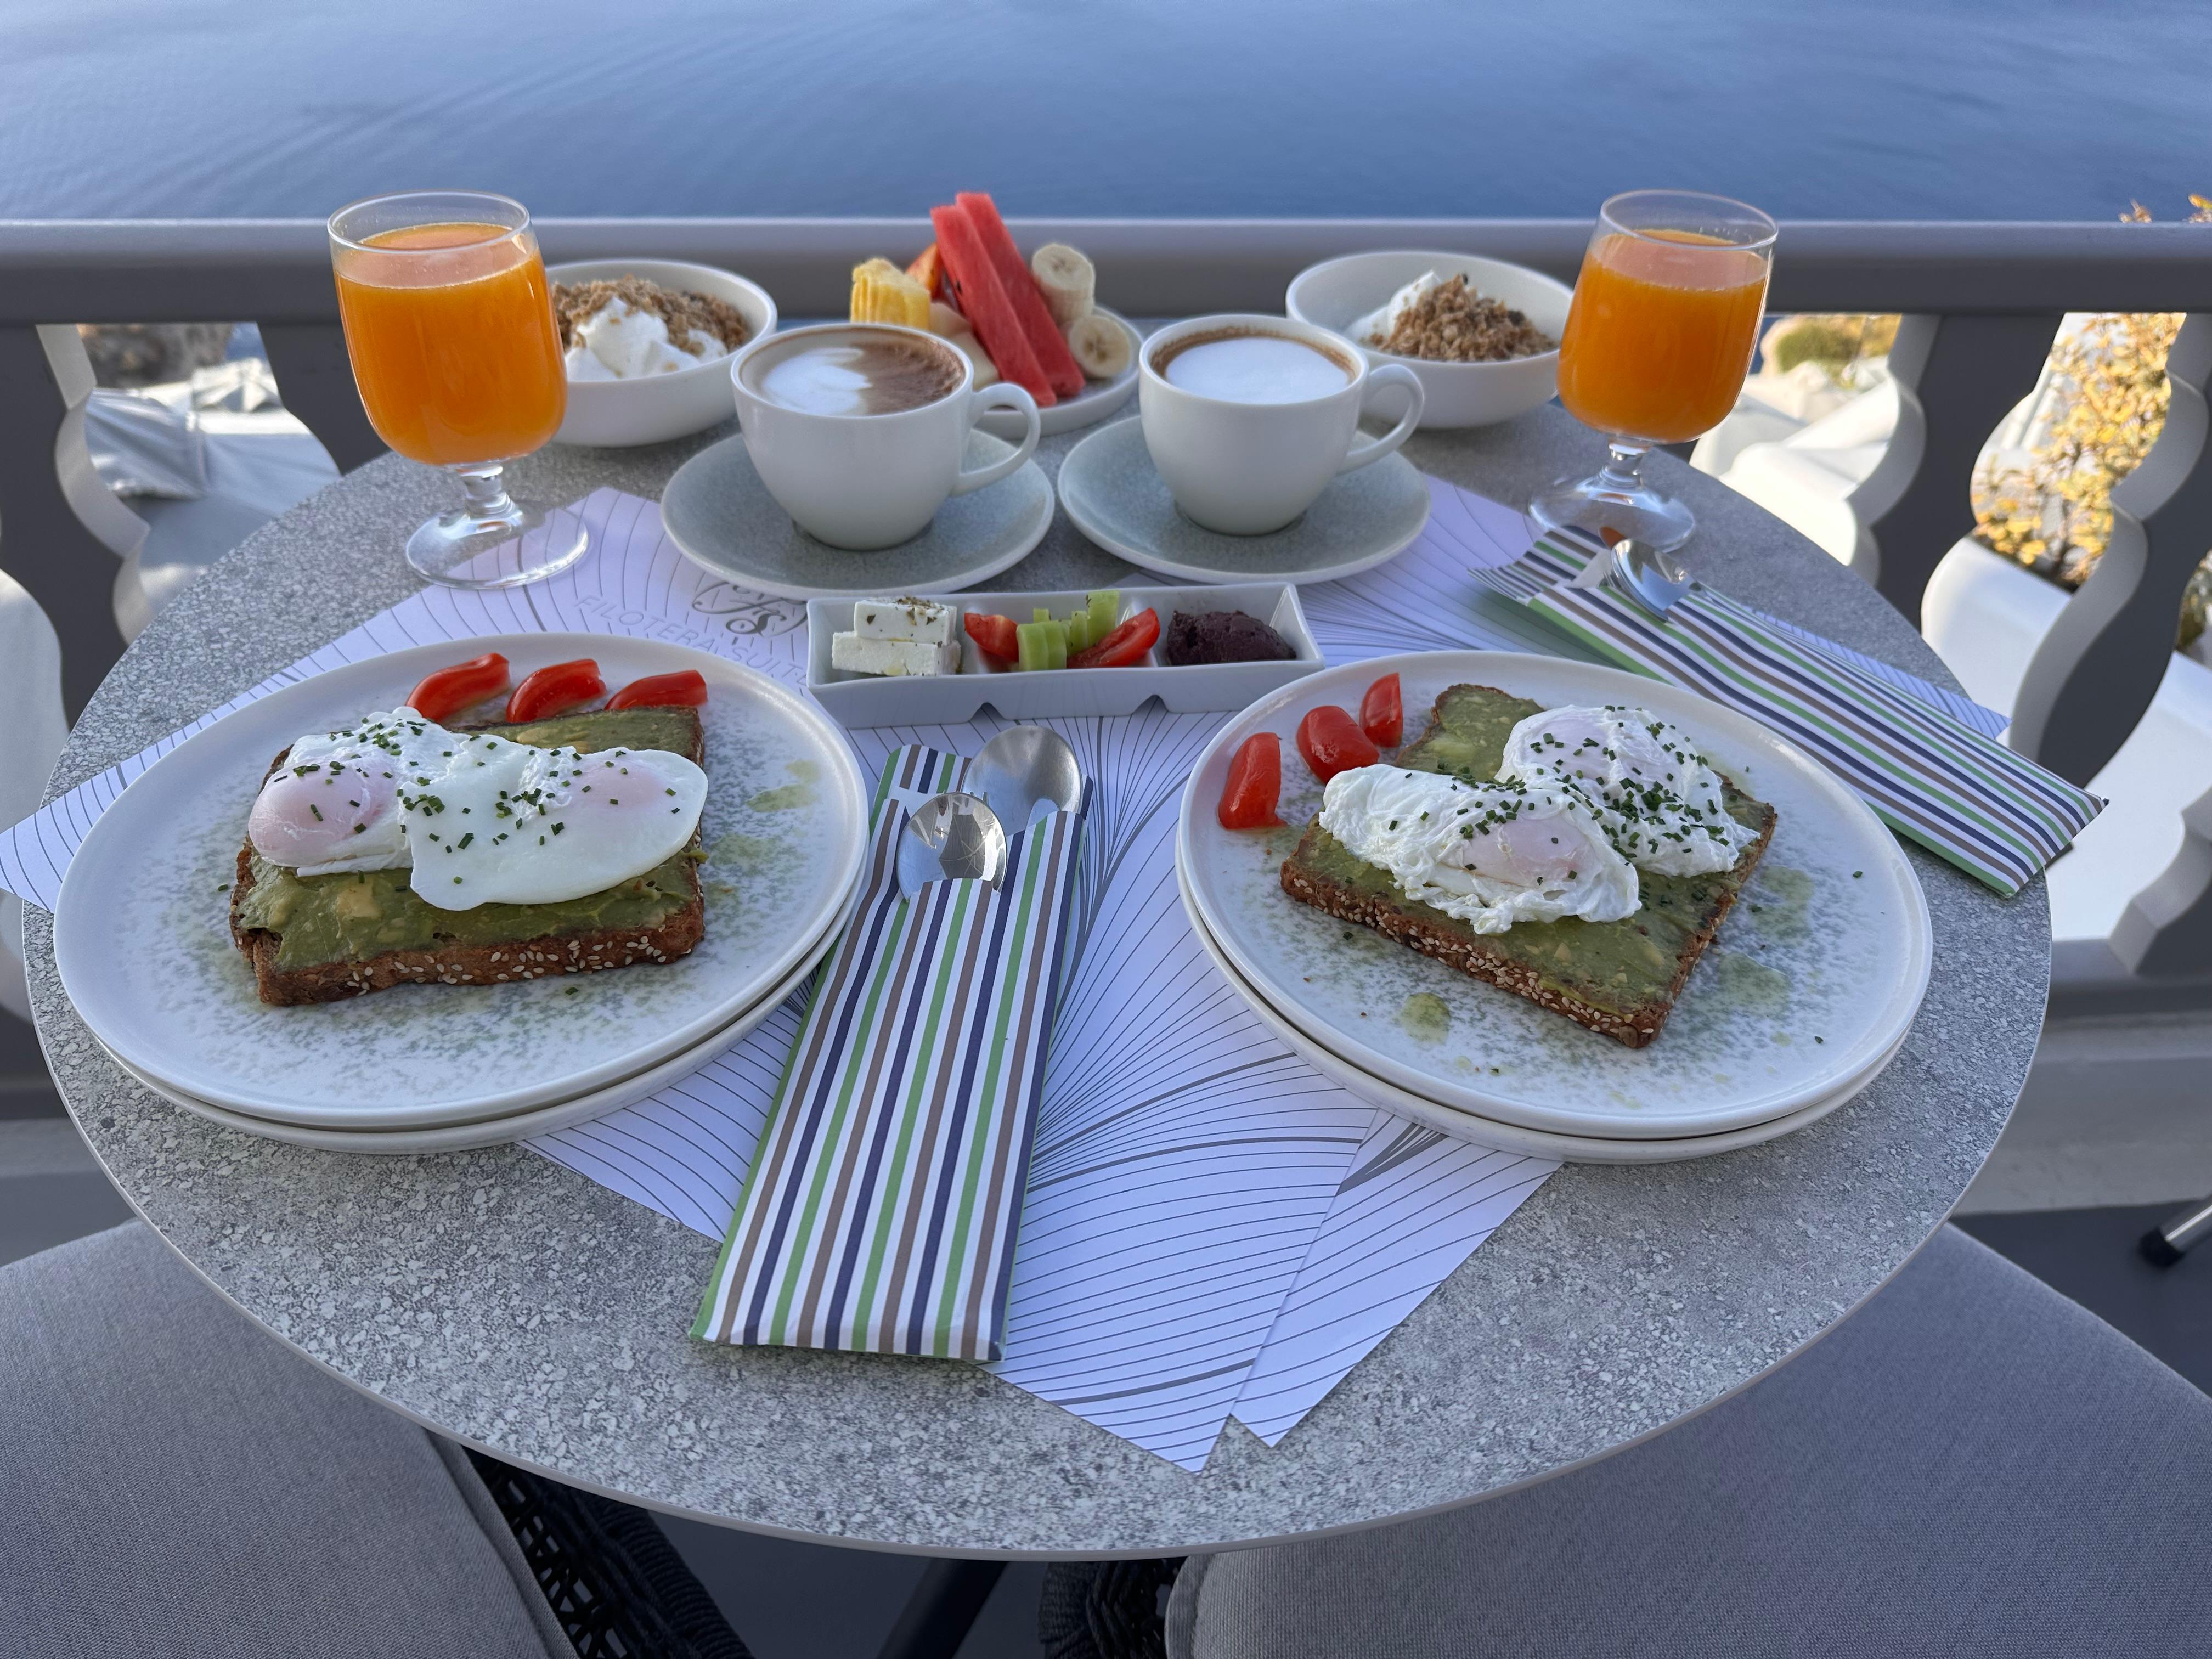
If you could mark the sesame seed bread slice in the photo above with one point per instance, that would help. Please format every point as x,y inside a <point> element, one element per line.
<point>657,917</point>
<point>1618,978</point>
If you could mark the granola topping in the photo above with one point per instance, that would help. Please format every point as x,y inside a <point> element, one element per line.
<point>687,316</point>
<point>1449,323</point>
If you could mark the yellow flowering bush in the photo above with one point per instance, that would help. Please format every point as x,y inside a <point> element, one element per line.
<point>2055,514</point>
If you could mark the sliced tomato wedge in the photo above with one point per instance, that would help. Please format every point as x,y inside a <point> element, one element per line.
<point>994,635</point>
<point>1332,742</point>
<point>554,689</point>
<point>1382,713</point>
<point>1255,784</point>
<point>685,688</point>
<point>1125,646</point>
<point>441,695</point>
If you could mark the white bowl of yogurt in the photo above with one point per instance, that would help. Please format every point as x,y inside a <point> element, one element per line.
<point>1340,294</point>
<point>626,386</point>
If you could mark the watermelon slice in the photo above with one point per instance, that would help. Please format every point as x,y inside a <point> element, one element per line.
<point>982,301</point>
<point>1044,335</point>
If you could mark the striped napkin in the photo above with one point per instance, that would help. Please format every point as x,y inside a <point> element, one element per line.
<point>880,1212</point>
<point>1926,773</point>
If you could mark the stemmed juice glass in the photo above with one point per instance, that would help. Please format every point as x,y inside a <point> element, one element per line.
<point>449,325</point>
<point>1665,317</point>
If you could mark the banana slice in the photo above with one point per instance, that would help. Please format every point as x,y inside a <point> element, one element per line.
<point>1100,345</point>
<point>986,372</point>
<point>1067,279</point>
<point>944,320</point>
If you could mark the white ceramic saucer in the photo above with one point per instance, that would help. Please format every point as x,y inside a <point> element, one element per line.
<point>1097,399</point>
<point>1488,1132</point>
<point>143,942</point>
<point>721,517</point>
<point>1116,497</point>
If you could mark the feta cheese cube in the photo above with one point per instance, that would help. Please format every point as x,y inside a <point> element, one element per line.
<point>924,621</point>
<point>857,653</point>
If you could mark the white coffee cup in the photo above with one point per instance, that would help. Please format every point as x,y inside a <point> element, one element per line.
<point>1248,468</point>
<point>863,481</point>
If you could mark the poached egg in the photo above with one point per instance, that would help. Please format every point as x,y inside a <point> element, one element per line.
<point>1658,800</point>
<point>476,819</point>
<point>1491,854</point>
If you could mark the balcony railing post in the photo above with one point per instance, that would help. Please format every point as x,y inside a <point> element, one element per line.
<point>2166,932</point>
<point>2103,660</point>
<point>2100,665</point>
<point>1957,377</point>
<point>315,380</point>
<point>62,531</point>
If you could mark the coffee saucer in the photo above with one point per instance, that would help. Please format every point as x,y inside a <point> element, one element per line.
<point>1116,497</point>
<point>721,517</point>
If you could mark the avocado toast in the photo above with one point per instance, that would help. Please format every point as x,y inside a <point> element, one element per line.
<point>323,938</point>
<point>1618,978</point>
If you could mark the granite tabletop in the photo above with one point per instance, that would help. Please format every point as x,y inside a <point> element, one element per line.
<point>509,1302</point>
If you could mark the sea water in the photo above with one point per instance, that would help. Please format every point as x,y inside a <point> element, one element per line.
<point>1993,109</point>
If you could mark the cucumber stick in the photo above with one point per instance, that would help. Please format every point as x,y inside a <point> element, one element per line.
<point>1046,641</point>
<point>1042,645</point>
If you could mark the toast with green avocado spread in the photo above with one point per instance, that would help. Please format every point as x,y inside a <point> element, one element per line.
<point>1618,978</point>
<point>322,938</point>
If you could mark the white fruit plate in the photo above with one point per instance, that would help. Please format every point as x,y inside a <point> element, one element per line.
<point>1097,399</point>
<point>1813,979</point>
<point>909,700</point>
<point>141,934</point>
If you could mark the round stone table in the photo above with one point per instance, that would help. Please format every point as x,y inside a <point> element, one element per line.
<point>509,1303</point>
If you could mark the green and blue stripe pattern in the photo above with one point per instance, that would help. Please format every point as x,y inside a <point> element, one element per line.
<point>881,1207</point>
<point>1929,776</point>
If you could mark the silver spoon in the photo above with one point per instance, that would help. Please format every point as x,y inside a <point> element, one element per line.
<point>1023,768</point>
<point>950,837</point>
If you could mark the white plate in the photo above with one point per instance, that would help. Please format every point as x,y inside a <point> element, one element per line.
<point>142,934</point>
<point>1097,399</point>
<point>1116,496</point>
<point>1487,1132</point>
<point>886,700</point>
<point>720,514</point>
<point>516,1126</point>
<point>1813,980</point>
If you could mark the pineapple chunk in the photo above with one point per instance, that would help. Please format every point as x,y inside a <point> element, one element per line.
<point>881,293</point>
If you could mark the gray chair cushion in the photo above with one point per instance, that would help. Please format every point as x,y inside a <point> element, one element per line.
<point>174,1482</point>
<point>1971,1465</point>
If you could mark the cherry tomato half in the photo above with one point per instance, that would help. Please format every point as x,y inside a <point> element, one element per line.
<point>1255,784</point>
<point>685,688</point>
<point>441,695</point>
<point>1125,646</point>
<point>994,635</point>
<point>554,688</point>
<point>1382,713</point>
<point>1332,743</point>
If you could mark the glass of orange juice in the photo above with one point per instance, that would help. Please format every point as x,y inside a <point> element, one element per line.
<point>1665,316</point>
<point>449,324</point>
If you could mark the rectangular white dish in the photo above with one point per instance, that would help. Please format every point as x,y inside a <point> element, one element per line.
<point>929,700</point>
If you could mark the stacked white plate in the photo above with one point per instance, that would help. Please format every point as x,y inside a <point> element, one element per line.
<point>141,934</point>
<point>1808,992</point>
